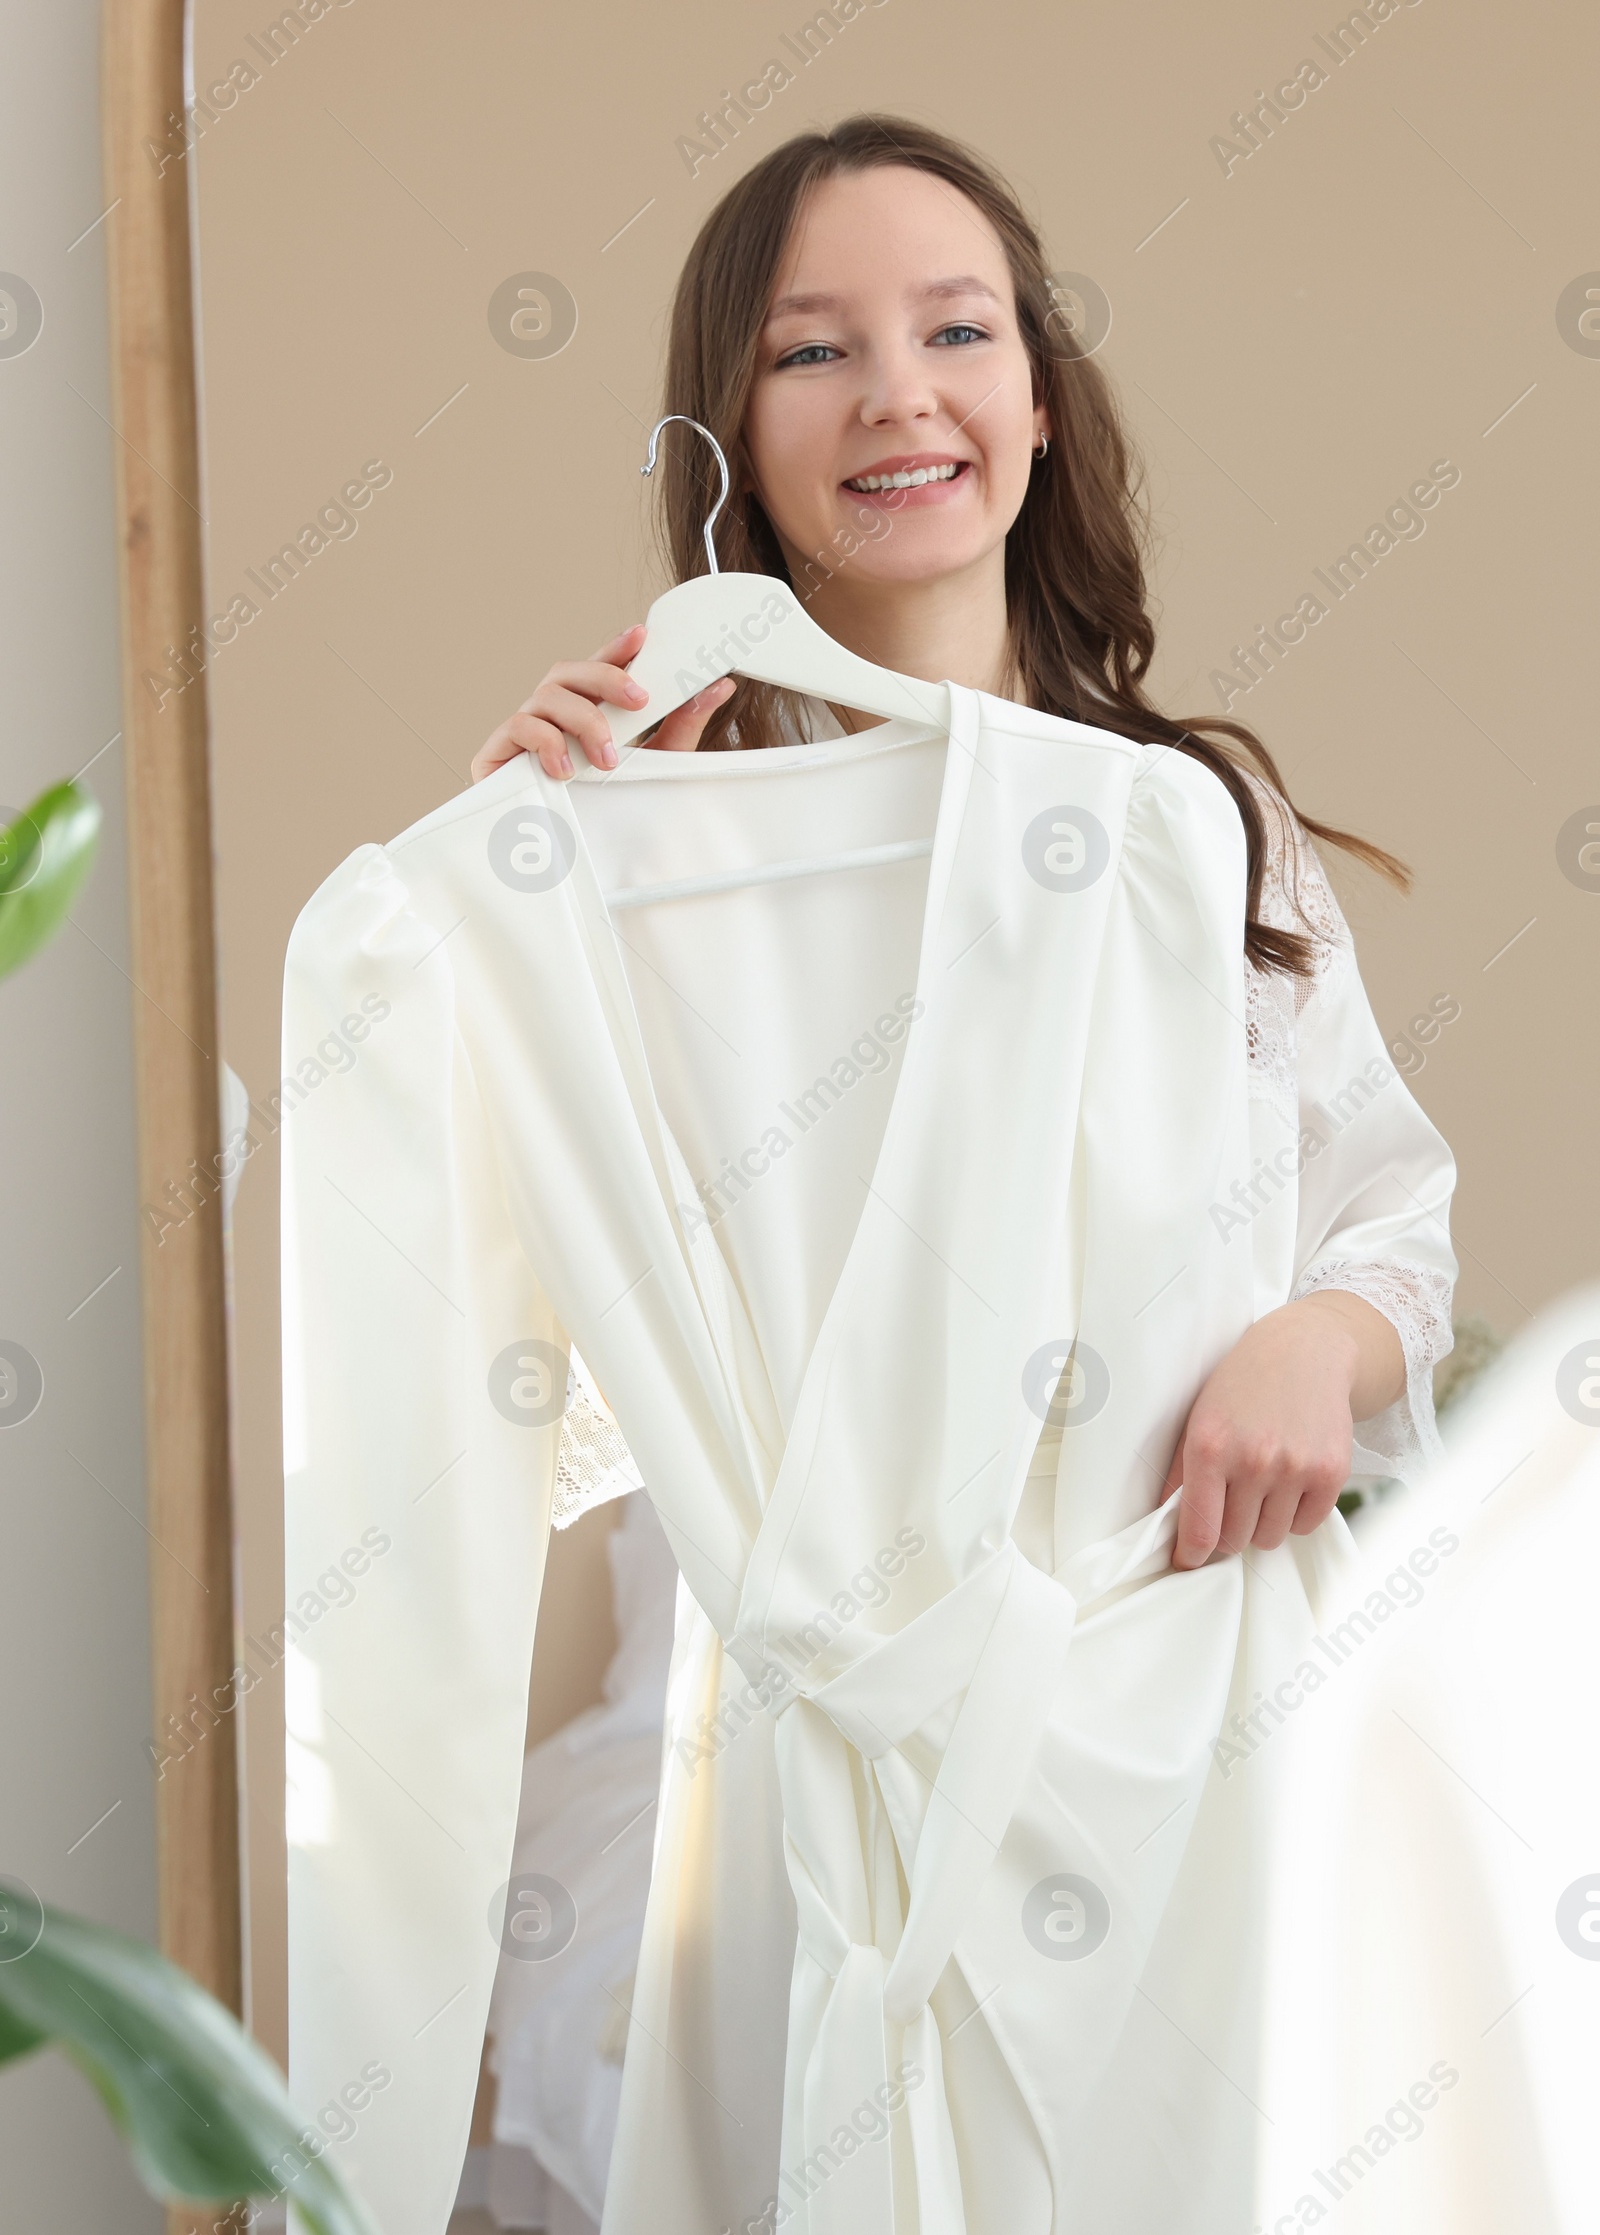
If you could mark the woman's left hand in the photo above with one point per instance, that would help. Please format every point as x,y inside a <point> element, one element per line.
<point>1266,1447</point>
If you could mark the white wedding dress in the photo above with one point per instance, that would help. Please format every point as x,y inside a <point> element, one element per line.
<point>952,1922</point>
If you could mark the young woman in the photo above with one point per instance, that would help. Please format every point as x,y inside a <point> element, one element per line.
<point>964,1938</point>
<point>921,448</point>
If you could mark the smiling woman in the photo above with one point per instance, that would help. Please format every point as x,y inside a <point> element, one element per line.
<point>865,327</point>
<point>872,300</point>
<point>896,341</point>
<point>957,1919</point>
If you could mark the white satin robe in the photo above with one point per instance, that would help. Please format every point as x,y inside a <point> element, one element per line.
<point>952,1926</point>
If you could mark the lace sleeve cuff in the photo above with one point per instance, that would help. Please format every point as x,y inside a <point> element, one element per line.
<point>594,1463</point>
<point>1403,1439</point>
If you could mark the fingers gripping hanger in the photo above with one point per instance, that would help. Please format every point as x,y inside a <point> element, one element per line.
<point>753,625</point>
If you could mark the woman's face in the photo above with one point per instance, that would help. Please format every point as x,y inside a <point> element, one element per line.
<point>891,346</point>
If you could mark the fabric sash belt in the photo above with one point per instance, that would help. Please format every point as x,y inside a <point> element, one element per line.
<point>1001,1637</point>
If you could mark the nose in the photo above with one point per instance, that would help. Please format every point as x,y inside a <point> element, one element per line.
<point>898,388</point>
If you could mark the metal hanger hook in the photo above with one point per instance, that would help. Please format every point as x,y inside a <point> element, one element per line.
<point>649,466</point>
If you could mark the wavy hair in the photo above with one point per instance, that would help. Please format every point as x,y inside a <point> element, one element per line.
<point>1081,636</point>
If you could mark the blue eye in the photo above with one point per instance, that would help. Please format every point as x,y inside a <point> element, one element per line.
<point>821,352</point>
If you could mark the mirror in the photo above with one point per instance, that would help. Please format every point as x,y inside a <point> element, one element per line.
<point>432,274</point>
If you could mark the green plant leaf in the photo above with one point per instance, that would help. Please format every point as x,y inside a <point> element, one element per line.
<point>16,2038</point>
<point>44,858</point>
<point>200,2104</point>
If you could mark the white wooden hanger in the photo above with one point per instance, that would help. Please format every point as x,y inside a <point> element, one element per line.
<point>752,624</point>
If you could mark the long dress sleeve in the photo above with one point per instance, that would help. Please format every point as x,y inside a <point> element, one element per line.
<point>424,1372</point>
<point>1376,1176</point>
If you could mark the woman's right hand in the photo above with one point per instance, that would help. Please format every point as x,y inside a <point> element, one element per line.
<point>566,707</point>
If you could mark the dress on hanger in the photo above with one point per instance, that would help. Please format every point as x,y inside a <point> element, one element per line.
<point>1299,1076</point>
<point>899,1216</point>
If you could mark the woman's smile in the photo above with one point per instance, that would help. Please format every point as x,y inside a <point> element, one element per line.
<point>921,479</point>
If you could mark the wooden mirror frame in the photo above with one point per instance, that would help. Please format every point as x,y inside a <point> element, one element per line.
<point>174,976</point>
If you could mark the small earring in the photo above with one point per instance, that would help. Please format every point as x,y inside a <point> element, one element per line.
<point>1041,446</point>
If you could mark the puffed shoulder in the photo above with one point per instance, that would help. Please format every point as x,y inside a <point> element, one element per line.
<point>363,913</point>
<point>1168,768</point>
<point>368,894</point>
<point>1190,799</point>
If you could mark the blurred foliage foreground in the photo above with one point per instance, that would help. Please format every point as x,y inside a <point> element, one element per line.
<point>200,2104</point>
<point>45,855</point>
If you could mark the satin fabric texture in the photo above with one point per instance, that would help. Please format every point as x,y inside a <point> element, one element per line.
<point>953,1919</point>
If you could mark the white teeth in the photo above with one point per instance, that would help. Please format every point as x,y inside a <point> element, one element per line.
<point>870,481</point>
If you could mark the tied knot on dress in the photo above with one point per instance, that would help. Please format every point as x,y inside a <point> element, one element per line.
<point>885,1864</point>
<point>998,1639</point>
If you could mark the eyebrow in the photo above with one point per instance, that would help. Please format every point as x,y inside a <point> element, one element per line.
<point>938,289</point>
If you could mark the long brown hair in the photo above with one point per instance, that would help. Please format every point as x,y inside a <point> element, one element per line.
<point>1075,573</point>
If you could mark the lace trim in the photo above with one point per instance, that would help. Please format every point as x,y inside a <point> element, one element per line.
<point>1403,1439</point>
<point>593,1464</point>
<point>1272,1045</point>
<point>1292,873</point>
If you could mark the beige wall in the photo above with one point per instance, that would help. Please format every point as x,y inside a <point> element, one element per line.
<point>1298,337</point>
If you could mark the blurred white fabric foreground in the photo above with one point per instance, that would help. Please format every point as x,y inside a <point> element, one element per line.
<point>580,1875</point>
<point>1434,1954</point>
